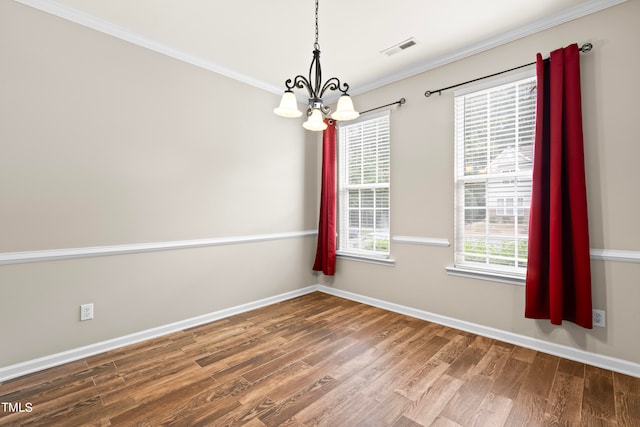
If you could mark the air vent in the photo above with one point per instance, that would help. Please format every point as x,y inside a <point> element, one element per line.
<point>399,47</point>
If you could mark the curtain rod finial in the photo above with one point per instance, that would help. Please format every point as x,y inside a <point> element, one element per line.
<point>586,47</point>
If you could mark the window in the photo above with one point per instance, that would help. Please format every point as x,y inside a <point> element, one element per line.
<point>494,132</point>
<point>363,186</point>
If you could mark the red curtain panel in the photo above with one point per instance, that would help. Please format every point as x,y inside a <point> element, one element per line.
<point>558,283</point>
<point>326,251</point>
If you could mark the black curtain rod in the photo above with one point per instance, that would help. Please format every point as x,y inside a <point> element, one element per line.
<point>399,102</point>
<point>585,48</point>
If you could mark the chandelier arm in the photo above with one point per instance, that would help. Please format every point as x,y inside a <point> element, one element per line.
<point>334,84</point>
<point>299,82</point>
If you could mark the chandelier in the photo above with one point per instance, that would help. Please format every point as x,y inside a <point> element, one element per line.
<point>316,90</point>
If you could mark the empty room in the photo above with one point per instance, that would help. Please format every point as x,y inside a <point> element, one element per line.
<point>319,212</point>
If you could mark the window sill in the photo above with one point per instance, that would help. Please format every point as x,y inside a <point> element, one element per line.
<point>389,262</point>
<point>510,278</point>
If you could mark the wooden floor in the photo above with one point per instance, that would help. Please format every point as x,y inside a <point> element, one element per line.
<point>322,360</point>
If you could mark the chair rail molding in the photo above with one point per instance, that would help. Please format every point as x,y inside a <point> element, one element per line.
<point>94,251</point>
<point>615,255</point>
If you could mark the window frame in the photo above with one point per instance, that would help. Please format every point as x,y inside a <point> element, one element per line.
<point>484,272</point>
<point>343,187</point>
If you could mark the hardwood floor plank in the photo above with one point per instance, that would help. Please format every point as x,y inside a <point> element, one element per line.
<point>541,375</point>
<point>570,367</point>
<point>510,378</point>
<point>274,365</point>
<point>432,403</point>
<point>625,384</point>
<point>287,408</point>
<point>334,401</point>
<point>493,361</point>
<point>456,346</point>
<point>322,360</point>
<point>395,369</point>
<point>386,412</point>
<point>218,403</point>
<point>528,410</point>
<point>59,373</point>
<point>598,399</point>
<point>159,403</point>
<point>418,385</point>
<point>406,422</point>
<point>278,382</point>
<point>493,411</point>
<point>464,405</point>
<point>444,422</point>
<point>351,412</point>
<point>43,391</point>
<point>524,354</point>
<point>152,379</point>
<point>627,408</point>
<point>469,357</point>
<point>564,405</point>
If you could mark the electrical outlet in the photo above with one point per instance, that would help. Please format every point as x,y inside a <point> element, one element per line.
<point>86,312</point>
<point>598,318</point>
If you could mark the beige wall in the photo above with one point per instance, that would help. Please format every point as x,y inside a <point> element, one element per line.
<point>106,143</point>
<point>422,188</point>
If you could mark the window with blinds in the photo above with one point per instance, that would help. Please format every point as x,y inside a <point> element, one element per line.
<point>364,177</point>
<point>494,133</point>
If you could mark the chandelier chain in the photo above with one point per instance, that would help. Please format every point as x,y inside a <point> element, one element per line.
<point>316,45</point>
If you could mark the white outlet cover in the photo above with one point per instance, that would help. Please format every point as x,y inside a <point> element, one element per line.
<point>86,312</point>
<point>599,318</point>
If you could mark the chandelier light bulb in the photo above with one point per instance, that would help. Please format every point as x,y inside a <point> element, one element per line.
<point>288,106</point>
<point>345,109</point>
<point>315,121</point>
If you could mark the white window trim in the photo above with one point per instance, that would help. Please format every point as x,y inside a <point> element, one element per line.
<point>464,271</point>
<point>354,255</point>
<point>382,260</point>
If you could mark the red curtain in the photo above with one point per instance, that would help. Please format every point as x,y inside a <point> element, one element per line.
<point>558,284</point>
<point>326,251</point>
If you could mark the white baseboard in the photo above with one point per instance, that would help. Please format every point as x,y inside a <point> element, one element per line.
<point>35,365</point>
<point>601,361</point>
<point>605,362</point>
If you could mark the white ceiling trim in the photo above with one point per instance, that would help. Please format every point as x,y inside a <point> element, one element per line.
<point>527,30</point>
<point>90,21</point>
<point>87,20</point>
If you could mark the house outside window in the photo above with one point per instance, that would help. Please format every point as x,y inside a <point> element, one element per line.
<point>363,186</point>
<point>494,133</point>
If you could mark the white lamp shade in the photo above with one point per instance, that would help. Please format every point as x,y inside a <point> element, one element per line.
<point>315,121</point>
<point>345,109</point>
<point>288,106</point>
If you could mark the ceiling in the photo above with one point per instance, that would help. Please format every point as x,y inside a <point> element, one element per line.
<point>266,42</point>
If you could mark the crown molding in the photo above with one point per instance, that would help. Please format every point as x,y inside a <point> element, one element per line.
<point>71,14</point>
<point>562,17</point>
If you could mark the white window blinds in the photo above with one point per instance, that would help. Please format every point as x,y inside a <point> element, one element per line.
<point>364,177</point>
<point>494,132</point>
